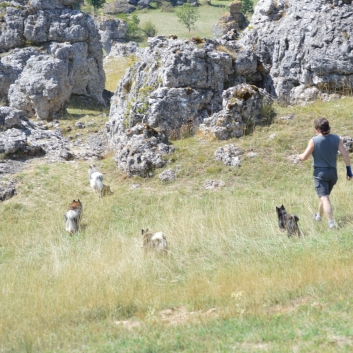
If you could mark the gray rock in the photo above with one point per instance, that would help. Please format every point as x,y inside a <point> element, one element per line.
<point>122,49</point>
<point>174,87</point>
<point>251,154</point>
<point>7,189</point>
<point>347,143</point>
<point>167,175</point>
<point>229,154</point>
<point>80,125</point>
<point>303,48</point>
<point>213,184</point>
<point>287,117</point>
<point>43,88</point>
<point>111,30</point>
<point>242,104</point>
<point>67,59</point>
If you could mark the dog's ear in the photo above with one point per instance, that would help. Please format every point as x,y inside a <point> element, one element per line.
<point>142,231</point>
<point>282,207</point>
<point>296,218</point>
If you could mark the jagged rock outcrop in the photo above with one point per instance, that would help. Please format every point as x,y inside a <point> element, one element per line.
<point>111,30</point>
<point>232,20</point>
<point>168,175</point>
<point>229,154</point>
<point>177,85</point>
<point>304,48</point>
<point>241,104</point>
<point>61,55</point>
<point>20,135</point>
<point>120,49</point>
<point>7,189</point>
<point>139,150</point>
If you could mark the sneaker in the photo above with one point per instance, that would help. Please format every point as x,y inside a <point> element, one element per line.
<point>317,217</point>
<point>332,225</point>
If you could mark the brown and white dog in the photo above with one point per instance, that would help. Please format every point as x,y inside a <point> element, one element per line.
<point>73,216</point>
<point>156,241</point>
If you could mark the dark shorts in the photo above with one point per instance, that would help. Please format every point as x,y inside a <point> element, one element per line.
<point>324,180</point>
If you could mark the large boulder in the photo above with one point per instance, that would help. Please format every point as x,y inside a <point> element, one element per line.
<point>232,20</point>
<point>175,86</point>
<point>111,30</point>
<point>61,54</point>
<point>303,48</point>
<point>242,106</point>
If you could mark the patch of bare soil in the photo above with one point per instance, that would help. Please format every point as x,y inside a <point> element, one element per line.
<point>180,316</point>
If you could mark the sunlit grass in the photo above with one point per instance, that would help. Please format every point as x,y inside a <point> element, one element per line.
<point>60,292</point>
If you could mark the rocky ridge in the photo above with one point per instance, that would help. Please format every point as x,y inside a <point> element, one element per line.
<point>178,85</point>
<point>304,48</point>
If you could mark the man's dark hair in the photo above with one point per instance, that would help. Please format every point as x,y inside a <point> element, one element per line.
<point>323,125</point>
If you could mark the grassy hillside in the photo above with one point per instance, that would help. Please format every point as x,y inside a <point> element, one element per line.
<point>234,282</point>
<point>167,23</point>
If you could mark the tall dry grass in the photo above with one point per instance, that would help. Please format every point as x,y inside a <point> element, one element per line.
<point>227,251</point>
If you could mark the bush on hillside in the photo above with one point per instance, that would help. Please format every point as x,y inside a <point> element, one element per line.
<point>149,29</point>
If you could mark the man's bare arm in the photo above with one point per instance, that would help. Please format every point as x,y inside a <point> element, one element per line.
<point>309,150</point>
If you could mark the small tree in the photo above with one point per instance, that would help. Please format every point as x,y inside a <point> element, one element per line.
<point>97,4</point>
<point>133,29</point>
<point>149,29</point>
<point>188,15</point>
<point>247,6</point>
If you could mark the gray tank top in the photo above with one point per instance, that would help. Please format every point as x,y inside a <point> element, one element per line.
<point>325,151</point>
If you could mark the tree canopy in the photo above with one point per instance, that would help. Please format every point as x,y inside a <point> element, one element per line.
<point>97,4</point>
<point>188,15</point>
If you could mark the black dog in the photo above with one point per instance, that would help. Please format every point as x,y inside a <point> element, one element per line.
<point>287,222</point>
<point>282,217</point>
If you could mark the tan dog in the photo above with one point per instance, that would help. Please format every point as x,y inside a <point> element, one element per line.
<point>73,216</point>
<point>156,242</point>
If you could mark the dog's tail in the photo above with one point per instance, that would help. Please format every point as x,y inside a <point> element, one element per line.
<point>71,218</point>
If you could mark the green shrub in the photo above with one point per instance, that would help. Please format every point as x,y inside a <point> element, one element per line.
<point>149,29</point>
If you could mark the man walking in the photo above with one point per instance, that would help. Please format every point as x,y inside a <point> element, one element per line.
<point>324,147</point>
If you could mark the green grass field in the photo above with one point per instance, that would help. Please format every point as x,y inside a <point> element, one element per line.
<point>167,23</point>
<point>234,282</point>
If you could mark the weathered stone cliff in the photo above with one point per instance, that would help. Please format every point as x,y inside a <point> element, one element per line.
<point>177,84</point>
<point>304,48</point>
<point>49,51</point>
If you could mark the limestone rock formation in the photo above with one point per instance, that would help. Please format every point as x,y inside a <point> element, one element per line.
<point>229,154</point>
<point>49,52</point>
<point>232,20</point>
<point>303,48</point>
<point>167,175</point>
<point>176,86</point>
<point>19,135</point>
<point>111,30</point>
<point>7,189</point>
<point>241,104</point>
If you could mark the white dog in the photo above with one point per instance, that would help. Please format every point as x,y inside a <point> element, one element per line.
<point>95,179</point>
